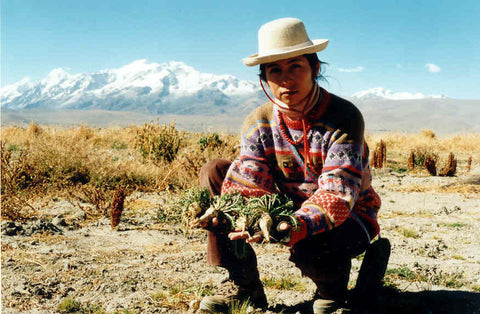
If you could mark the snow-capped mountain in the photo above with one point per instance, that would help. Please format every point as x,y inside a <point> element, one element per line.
<point>382,93</point>
<point>172,87</point>
<point>143,90</point>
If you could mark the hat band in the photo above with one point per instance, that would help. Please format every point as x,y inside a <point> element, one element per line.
<point>284,49</point>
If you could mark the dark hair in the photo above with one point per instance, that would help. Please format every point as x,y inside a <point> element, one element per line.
<point>312,61</point>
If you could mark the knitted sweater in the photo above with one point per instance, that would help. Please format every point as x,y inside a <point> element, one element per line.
<point>338,179</point>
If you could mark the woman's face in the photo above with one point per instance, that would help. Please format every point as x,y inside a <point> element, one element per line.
<point>290,80</point>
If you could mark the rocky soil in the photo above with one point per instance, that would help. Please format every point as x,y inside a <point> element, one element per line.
<point>63,262</point>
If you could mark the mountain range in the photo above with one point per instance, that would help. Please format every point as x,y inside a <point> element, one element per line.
<point>145,90</point>
<point>168,88</point>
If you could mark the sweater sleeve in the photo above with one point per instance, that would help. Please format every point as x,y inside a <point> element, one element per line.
<point>250,173</point>
<point>339,187</point>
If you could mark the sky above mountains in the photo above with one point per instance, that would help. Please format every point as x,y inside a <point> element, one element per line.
<point>416,47</point>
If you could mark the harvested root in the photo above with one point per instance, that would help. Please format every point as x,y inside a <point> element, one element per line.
<point>265,223</point>
<point>252,216</point>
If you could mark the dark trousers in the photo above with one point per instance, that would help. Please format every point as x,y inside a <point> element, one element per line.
<point>325,257</point>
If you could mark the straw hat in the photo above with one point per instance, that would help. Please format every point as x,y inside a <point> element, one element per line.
<point>282,39</point>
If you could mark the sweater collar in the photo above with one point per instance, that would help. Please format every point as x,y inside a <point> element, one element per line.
<point>317,111</point>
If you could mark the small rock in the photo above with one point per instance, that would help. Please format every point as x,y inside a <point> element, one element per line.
<point>80,215</point>
<point>194,305</point>
<point>9,228</point>
<point>59,221</point>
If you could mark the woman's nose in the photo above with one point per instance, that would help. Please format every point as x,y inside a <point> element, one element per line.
<point>288,80</point>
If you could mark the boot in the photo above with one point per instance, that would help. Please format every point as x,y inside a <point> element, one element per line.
<point>245,284</point>
<point>324,306</point>
<point>330,296</point>
<point>253,294</point>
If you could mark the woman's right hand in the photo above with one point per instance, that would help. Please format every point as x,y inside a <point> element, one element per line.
<point>218,223</point>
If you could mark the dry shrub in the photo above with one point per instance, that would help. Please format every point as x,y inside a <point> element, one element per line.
<point>36,165</point>
<point>450,168</point>
<point>400,146</point>
<point>88,164</point>
<point>383,152</point>
<point>379,155</point>
<point>158,143</point>
<point>469,164</point>
<point>201,148</point>
<point>83,132</point>
<point>16,173</point>
<point>428,133</point>
<point>411,160</point>
<point>420,155</point>
<point>99,197</point>
<point>430,165</point>
<point>117,206</point>
<point>33,129</point>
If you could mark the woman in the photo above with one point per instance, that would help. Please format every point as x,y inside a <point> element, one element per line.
<point>308,144</point>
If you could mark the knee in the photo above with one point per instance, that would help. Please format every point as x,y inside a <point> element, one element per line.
<point>212,174</point>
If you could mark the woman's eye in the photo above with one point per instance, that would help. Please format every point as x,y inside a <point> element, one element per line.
<point>274,70</point>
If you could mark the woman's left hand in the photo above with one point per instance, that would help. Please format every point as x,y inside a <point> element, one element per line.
<point>238,234</point>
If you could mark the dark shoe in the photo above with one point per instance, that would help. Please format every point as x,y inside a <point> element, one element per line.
<point>254,295</point>
<point>323,306</point>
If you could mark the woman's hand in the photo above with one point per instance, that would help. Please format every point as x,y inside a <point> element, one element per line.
<point>215,224</point>
<point>238,234</point>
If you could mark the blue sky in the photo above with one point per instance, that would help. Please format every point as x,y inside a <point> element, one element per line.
<point>428,47</point>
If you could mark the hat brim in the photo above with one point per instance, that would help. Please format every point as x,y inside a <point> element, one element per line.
<point>318,45</point>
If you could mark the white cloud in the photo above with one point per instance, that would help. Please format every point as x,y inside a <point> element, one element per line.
<point>383,93</point>
<point>351,70</point>
<point>432,68</point>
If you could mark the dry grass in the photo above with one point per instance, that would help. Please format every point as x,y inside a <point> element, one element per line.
<point>87,164</point>
<point>401,145</point>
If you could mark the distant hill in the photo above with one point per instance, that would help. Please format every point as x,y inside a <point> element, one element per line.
<point>143,91</point>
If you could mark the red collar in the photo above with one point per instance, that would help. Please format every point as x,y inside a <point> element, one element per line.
<point>313,115</point>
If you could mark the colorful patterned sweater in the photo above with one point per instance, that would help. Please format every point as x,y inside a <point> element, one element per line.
<point>338,180</point>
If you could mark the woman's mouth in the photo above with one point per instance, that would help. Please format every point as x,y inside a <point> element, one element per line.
<point>288,93</point>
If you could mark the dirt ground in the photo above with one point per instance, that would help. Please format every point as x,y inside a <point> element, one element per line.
<point>61,263</point>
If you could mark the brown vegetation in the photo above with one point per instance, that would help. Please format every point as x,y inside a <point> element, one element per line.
<point>379,156</point>
<point>450,168</point>
<point>469,164</point>
<point>117,206</point>
<point>430,165</point>
<point>86,164</point>
<point>411,161</point>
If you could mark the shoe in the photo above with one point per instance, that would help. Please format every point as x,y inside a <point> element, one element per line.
<point>323,306</point>
<point>222,303</point>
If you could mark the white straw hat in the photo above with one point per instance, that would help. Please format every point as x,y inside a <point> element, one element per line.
<point>282,39</point>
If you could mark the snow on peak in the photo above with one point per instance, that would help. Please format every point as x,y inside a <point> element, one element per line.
<point>15,90</point>
<point>382,93</point>
<point>139,84</point>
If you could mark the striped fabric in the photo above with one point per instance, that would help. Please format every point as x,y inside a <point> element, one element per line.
<point>339,180</point>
